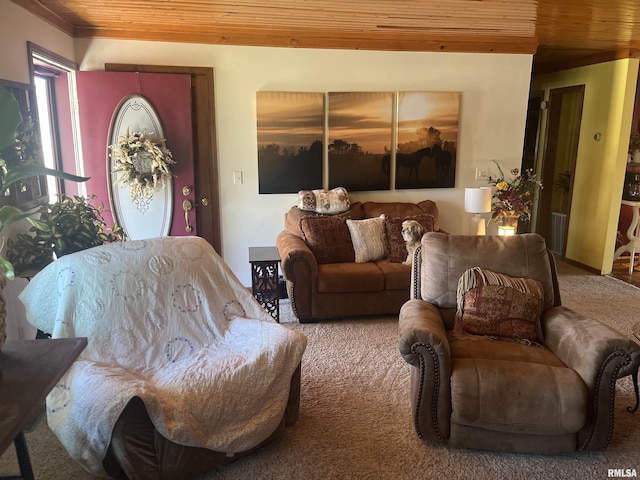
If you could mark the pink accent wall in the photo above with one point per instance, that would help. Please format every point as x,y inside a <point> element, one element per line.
<point>100,93</point>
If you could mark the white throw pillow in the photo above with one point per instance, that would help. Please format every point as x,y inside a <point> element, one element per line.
<point>368,239</point>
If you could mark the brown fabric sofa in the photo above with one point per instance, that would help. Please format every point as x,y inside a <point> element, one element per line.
<point>320,288</point>
<point>503,395</point>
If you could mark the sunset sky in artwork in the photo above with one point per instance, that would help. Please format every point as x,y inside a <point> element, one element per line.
<point>363,118</point>
<point>428,109</point>
<point>291,119</point>
<point>295,119</point>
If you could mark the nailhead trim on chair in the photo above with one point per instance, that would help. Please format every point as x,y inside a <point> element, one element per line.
<point>436,390</point>
<point>416,272</point>
<point>293,286</point>
<point>612,394</point>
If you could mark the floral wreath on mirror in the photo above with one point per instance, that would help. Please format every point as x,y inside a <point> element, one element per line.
<point>143,161</point>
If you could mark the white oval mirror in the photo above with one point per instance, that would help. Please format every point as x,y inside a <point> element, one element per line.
<point>146,216</point>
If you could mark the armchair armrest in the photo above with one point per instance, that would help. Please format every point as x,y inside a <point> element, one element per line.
<point>300,270</point>
<point>424,345</point>
<point>600,355</point>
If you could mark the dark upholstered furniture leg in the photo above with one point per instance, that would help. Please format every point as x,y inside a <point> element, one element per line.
<point>634,376</point>
<point>138,452</point>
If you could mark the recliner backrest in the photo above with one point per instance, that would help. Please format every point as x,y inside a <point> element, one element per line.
<point>444,258</point>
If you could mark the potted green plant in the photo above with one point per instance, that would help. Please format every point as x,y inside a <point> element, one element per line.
<point>10,118</point>
<point>67,226</point>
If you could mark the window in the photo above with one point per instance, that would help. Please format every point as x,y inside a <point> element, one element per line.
<point>53,78</point>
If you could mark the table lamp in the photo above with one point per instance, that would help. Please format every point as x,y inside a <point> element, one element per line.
<point>477,201</point>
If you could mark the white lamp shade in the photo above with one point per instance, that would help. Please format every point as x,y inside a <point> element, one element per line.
<point>477,200</point>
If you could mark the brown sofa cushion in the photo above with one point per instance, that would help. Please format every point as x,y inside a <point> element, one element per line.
<point>397,276</point>
<point>498,305</point>
<point>350,277</point>
<point>396,247</point>
<point>328,238</point>
<point>402,209</point>
<point>294,215</point>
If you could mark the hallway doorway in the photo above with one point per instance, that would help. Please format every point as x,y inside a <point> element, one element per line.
<point>558,165</point>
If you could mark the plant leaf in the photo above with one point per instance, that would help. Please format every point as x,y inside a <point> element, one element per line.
<point>9,214</point>
<point>10,118</point>
<point>15,174</point>
<point>6,267</point>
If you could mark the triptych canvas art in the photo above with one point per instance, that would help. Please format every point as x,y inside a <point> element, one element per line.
<point>372,139</point>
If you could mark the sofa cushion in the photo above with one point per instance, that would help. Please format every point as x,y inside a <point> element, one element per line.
<point>367,237</point>
<point>328,238</point>
<point>396,246</point>
<point>294,215</point>
<point>503,393</point>
<point>493,304</point>
<point>330,202</point>
<point>402,209</point>
<point>397,276</point>
<point>350,277</point>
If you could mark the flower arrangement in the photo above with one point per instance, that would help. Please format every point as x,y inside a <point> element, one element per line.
<point>512,199</point>
<point>145,163</point>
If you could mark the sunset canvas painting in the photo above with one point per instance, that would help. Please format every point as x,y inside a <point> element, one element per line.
<point>427,136</point>
<point>290,141</point>
<point>360,134</point>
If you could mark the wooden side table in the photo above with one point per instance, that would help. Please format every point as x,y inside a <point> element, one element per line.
<point>264,278</point>
<point>29,369</point>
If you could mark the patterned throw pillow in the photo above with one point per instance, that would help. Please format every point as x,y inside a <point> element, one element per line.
<point>367,237</point>
<point>328,238</point>
<point>497,305</point>
<point>395,244</point>
<point>330,202</point>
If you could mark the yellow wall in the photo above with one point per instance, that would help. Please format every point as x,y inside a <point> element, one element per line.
<point>608,107</point>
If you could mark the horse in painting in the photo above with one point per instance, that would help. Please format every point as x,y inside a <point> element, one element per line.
<point>442,160</point>
<point>410,161</point>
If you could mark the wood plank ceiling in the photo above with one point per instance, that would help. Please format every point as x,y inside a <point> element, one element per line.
<point>561,33</point>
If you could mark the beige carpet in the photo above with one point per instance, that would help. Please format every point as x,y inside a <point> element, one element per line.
<point>355,418</point>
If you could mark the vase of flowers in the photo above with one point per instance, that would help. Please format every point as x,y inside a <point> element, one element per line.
<point>144,163</point>
<point>513,198</point>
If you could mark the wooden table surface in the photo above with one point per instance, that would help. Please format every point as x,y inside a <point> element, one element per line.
<point>29,369</point>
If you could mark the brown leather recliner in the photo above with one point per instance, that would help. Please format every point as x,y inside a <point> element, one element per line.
<point>503,395</point>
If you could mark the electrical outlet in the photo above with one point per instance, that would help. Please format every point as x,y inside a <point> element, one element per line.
<point>237,177</point>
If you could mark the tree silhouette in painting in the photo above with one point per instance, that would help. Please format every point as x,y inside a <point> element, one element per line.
<point>355,169</point>
<point>285,169</point>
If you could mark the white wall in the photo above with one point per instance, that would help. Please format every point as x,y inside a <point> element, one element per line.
<point>493,107</point>
<point>494,98</point>
<point>17,26</point>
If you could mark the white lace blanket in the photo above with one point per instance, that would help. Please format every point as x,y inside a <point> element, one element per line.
<point>166,321</point>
